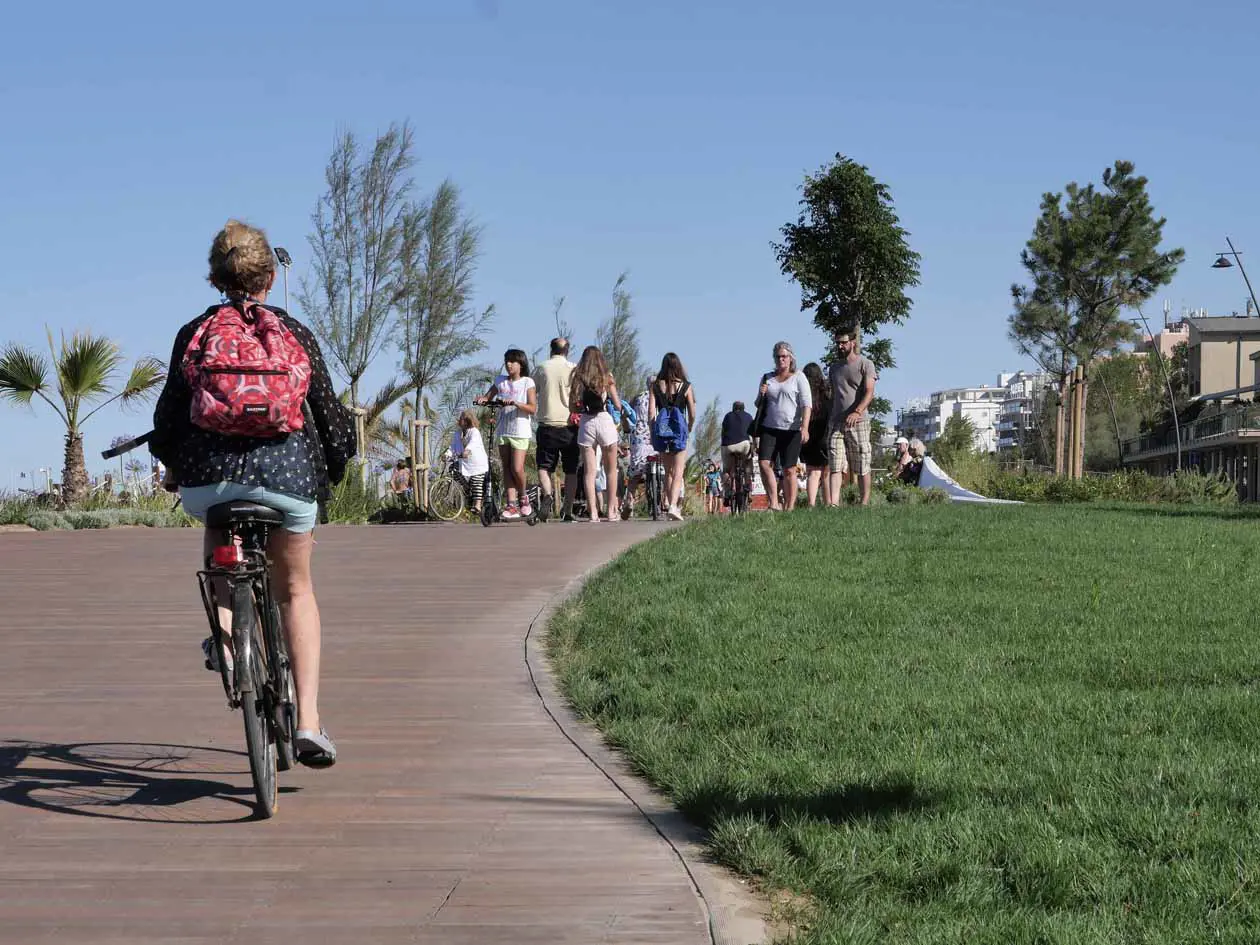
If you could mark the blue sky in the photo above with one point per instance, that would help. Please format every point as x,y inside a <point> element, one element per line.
<point>589,138</point>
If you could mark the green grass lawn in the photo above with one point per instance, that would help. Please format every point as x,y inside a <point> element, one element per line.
<point>940,724</point>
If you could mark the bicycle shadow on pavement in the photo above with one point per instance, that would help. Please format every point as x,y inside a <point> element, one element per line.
<point>129,781</point>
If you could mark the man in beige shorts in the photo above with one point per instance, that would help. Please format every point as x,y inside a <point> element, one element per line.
<point>852,379</point>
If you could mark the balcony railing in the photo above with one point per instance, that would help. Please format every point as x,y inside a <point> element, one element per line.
<point>1199,433</point>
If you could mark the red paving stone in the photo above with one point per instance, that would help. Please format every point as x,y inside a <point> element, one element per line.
<point>457,812</point>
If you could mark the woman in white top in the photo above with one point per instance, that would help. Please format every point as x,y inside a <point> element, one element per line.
<point>474,461</point>
<point>515,389</point>
<point>784,404</point>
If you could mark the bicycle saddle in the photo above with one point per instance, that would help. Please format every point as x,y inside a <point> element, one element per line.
<point>239,512</point>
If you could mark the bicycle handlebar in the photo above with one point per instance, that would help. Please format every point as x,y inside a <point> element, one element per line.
<point>127,447</point>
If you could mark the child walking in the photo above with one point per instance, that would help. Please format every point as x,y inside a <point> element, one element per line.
<point>474,461</point>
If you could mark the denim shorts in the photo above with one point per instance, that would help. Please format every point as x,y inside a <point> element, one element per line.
<point>299,513</point>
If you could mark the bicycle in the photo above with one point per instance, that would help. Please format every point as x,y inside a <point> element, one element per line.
<point>448,493</point>
<point>258,679</point>
<point>654,485</point>
<point>741,486</point>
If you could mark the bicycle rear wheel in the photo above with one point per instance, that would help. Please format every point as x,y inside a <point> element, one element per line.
<point>446,499</point>
<point>284,703</point>
<point>251,677</point>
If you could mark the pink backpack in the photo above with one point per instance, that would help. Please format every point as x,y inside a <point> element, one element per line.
<point>248,373</point>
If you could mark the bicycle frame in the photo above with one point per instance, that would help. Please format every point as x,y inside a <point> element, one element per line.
<point>241,560</point>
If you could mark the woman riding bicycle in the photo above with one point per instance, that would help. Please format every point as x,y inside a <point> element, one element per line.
<point>290,472</point>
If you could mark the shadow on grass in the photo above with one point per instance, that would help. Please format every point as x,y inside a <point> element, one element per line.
<point>129,781</point>
<point>1169,510</point>
<point>846,803</point>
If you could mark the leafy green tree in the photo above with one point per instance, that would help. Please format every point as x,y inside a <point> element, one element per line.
<point>351,295</point>
<point>957,439</point>
<point>848,253</point>
<point>618,337</point>
<point>83,369</point>
<point>1094,253</point>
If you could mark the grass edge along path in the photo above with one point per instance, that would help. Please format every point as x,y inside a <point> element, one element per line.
<point>948,724</point>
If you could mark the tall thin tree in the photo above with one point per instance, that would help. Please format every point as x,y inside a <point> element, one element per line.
<point>618,337</point>
<point>357,235</point>
<point>438,325</point>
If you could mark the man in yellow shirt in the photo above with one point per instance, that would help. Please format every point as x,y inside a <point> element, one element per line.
<point>557,438</point>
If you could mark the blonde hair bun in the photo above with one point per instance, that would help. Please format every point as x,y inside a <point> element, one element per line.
<point>241,261</point>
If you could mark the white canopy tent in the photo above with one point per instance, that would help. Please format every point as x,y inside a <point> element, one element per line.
<point>933,477</point>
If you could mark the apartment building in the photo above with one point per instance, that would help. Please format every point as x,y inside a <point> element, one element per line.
<point>1220,432</point>
<point>1002,415</point>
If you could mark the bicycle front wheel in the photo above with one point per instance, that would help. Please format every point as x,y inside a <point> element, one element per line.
<point>446,499</point>
<point>251,677</point>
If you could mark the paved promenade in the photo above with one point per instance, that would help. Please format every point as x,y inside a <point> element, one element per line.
<point>457,812</point>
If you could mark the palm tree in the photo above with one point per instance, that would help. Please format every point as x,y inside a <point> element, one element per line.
<point>83,370</point>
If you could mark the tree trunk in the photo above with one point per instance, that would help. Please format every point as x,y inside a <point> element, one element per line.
<point>74,481</point>
<point>1060,422</point>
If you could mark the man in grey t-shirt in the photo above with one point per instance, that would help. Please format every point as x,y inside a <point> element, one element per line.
<point>852,379</point>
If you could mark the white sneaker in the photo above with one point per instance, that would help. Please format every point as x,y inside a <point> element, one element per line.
<point>675,513</point>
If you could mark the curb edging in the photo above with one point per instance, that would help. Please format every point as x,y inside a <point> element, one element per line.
<point>733,915</point>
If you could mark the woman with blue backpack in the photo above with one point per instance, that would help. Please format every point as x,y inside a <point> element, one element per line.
<point>672,413</point>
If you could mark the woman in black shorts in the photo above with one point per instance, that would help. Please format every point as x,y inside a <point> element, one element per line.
<point>814,449</point>
<point>784,405</point>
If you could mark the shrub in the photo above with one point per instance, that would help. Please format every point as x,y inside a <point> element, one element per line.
<point>14,510</point>
<point>47,521</point>
<point>103,519</point>
<point>935,496</point>
<point>352,502</point>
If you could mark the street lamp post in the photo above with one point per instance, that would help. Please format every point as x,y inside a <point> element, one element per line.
<point>285,260</point>
<point>1223,263</point>
<point>1172,401</point>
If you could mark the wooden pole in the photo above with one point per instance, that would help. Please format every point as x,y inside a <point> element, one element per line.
<point>423,465</point>
<point>1081,400</point>
<point>412,444</point>
<point>1073,429</point>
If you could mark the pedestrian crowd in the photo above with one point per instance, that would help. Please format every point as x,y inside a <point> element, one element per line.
<point>600,441</point>
<point>811,418</point>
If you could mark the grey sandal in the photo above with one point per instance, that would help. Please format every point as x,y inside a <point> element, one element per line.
<point>315,749</point>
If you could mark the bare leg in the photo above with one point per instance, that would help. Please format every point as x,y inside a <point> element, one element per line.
<point>589,460</point>
<point>610,476</point>
<point>544,482</point>
<point>509,473</point>
<point>518,473</point>
<point>676,463</point>
<point>833,487</point>
<point>771,483</point>
<point>866,488</point>
<point>790,487</point>
<point>570,491</point>
<point>812,482</point>
<point>290,555</point>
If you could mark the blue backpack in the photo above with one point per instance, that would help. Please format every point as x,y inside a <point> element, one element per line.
<point>669,429</point>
